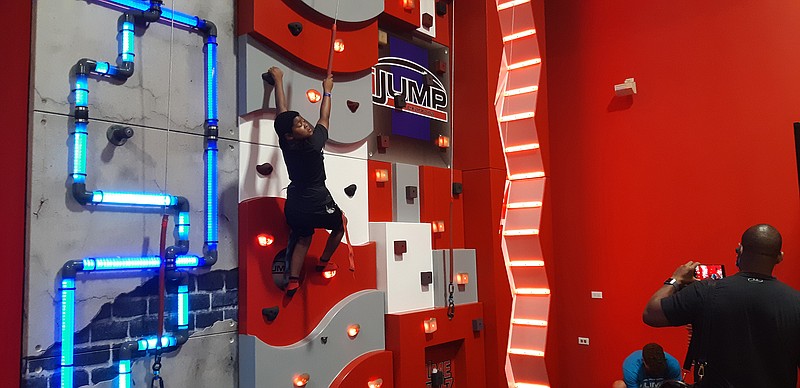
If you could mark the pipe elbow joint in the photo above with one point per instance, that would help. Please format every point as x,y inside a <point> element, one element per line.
<point>210,258</point>
<point>71,268</point>
<point>181,336</point>
<point>81,195</point>
<point>182,204</point>
<point>208,27</point>
<point>181,247</point>
<point>124,70</point>
<point>85,66</point>
<point>126,350</point>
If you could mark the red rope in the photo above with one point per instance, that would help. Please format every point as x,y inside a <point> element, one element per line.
<point>350,254</point>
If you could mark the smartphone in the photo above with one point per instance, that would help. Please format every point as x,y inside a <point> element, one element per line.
<point>713,271</point>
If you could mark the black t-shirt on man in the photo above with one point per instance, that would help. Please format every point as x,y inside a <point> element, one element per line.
<point>754,336</point>
<point>304,162</point>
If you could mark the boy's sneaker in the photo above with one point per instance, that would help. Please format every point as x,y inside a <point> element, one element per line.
<point>292,286</point>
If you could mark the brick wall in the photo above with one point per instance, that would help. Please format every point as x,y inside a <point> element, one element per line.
<point>213,297</point>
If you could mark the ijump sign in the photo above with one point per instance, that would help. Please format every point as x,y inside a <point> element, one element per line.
<point>424,98</point>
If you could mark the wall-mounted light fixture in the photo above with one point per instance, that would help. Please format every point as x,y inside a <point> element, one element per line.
<point>381,175</point>
<point>443,141</point>
<point>462,278</point>
<point>301,380</point>
<point>313,96</point>
<point>430,325</point>
<point>375,383</point>
<point>353,330</point>
<point>338,45</point>
<point>265,239</point>
<point>409,5</point>
<point>437,226</point>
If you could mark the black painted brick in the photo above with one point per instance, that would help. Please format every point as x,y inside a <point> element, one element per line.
<point>143,326</point>
<point>170,304</point>
<point>35,382</point>
<point>127,307</point>
<point>49,363</point>
<point>232,314</point>
<point>211,281</point>
<point>222,299</point>
<point>104,374</point>
<point>109,330</point>
<point>79,377</point>
<point>150,287</point>
<point>232,279</point>
<point>82,336</point>
<point>92,356</point>
<point>192,283</point>
<point>105,312</point>
<point>199,302</point>
<point>206,319</point>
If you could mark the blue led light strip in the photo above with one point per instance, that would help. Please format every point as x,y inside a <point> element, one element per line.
<point>126,42</point>
<point>124,373</point>
<point>211,193</point>
<point>67,330</point>
<point>166,13</point>
<point>81,90</point>
<point>79,153</point>
<point>149,343</point>
<point>183,225</point>
<point>211,79</point>
<point>144,262</point>
<point>132,199</point>
<point>183,307</point>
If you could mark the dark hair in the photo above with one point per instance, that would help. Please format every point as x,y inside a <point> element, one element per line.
<point>284,122</point>
<point>654,359</point>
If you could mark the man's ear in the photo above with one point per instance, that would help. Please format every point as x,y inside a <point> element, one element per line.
<point>779,258</point>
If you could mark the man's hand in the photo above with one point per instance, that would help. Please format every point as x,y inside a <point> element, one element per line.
<point>327,84</point>
<point>685,273</point>
<point>276,72</point>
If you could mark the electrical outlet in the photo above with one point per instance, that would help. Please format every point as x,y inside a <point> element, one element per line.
<point>583,341</point>
<point>597,294</point>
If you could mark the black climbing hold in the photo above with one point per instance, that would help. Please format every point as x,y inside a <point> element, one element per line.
<point>296,28</point>
<point>264,169</point>
<point>270,313</point>
<point>268,78</point>
<point>118,135</point>
<point>352,105</point>
<point>350,190</point>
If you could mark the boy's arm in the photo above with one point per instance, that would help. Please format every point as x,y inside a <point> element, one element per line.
<point>280,97</point>
<point>325,106</point>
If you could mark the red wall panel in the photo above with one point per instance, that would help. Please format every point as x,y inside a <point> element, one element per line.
<point>368,367</point>
<point>397,17</point>
<point>14,161</point>
<point>675,173</point>
<point>434,205</point>
<point>380,193</point>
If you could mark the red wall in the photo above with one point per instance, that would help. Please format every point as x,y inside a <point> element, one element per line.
<point>678,172</point>
<point>14,160</point>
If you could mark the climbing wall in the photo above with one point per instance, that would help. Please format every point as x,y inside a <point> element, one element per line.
<point>163,103</point>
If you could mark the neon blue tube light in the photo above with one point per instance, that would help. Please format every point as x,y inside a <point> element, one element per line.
<point>124,373</point>
<point>102,67</point>
<point>126,43</point>
<point>81,90</point>
<point>141,6</point>
<point>183,226</point>
<point>132,199</point>
<point>144,262</point>
<point>185,261</point>
<point>211,79</point>
<point>149,343</point>
<point>211,191</point>
<point>183,307</point>
<point>79,153</point>
<point>67,330</point>
<point>179,17</point>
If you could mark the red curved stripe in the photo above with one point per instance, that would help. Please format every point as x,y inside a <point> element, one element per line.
<point>366,368</point>
<point>299,315</point>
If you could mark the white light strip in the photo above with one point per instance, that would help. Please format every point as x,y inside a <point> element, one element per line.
<point>518,116</point>
<point>523,205</point>
<point>529,62</point>
<point>518,35</point>
<point>529,322</point>
<point>523,147</point>
<point>527,89</point>
<point>532,291</point>
<point>526,352</point>
<point>527,175</point>
<point>509,4</point>
<point>527,263</point>
<point>528,385</point>
<point>521,232</point>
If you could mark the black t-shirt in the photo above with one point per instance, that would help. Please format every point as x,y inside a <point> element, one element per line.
<point>754,335</point>
<point>304,161</point>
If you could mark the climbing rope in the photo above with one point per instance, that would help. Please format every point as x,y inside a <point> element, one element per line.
<point>451,305</point>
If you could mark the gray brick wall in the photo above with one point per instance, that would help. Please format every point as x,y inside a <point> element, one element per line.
<point>213,296</point>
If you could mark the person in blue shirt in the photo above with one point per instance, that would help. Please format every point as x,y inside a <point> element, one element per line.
<point>647,368</point>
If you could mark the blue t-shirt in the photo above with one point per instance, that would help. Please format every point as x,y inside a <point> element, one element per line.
<point>635,376</point>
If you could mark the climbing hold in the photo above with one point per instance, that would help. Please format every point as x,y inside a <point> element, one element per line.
<point>350,190</point>
<point>268,78</point>
<point>296,28</point>
<point>118,135</point>
<point>270,313</point>
<point>441,8</point>
<point>264,169</point>
<point>352,105</point>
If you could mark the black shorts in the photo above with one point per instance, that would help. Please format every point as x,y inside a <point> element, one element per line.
<point>304,219</point>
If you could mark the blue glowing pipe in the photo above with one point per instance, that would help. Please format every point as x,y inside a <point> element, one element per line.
<point>126,42</point>
<point>144,262</point>
<point>79,152</point>
<point>124,373</point>
<point>134,4</point>
<point>183,307</point>
<point>211,192</point>
<point>183,226</point>
<point>150,343</point>
<point>102,67</point>
<point>132,199</point>
<point>179,17</point>
<point>67,330</point>
<point>81,90</point>
<point>211,79</point>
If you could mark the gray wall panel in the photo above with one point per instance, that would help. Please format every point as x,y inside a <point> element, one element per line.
<point>348,10</point>
<point>463,262</point>
<point>405,210</point>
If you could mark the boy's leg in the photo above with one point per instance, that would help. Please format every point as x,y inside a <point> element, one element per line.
<point>298,257</point>
<point>333,242</point>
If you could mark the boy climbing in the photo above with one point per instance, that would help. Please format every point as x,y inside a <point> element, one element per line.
<point>309,204</point>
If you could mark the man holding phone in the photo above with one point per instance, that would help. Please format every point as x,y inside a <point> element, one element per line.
<point>752,333</point>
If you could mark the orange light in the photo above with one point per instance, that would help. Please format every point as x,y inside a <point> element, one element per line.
<point>529,322</point>
<point>381,175</point>
<point>530,385</point>
<point>329,274</point>
<point>313,96</point>
<point>526,352</point>
<point>352,330</point>
<point>408,5</point>
<point>265,239</point>
<point>519,35</point>
<point>532,291</point>
<point>437,226</point>
<point>524,205</point>
<point>443,141</point>
<point>518,116</point>
<point>527,263</point>
<point>526,175</point>
<point>338,45</point>
<point>301,380</point>
<point>430,325</point>
<point>526,63</point>
<point>518,91</point>
<point>520,232</point>
<point>510,4</point>
<point>522,147</point>
<point>462,278</point>
<point>375,383</point>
